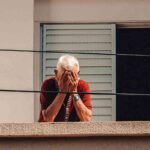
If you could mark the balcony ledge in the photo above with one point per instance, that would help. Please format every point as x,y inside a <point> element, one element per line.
<point>78,129</point>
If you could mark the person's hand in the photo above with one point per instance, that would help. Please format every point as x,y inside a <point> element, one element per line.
<point>64,82</point>
<point>68,82</point>
<point>73,81</point>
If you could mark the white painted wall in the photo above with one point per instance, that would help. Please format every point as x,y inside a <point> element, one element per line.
<point>16,69</point>
<point>92,10</point>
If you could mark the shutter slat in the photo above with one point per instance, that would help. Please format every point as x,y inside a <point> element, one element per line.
<point>101,118</point>
<point>102,111</point>
<point>78,26</point>
<point>79,47</point>
<point>81,56</point>
<point>96,78</point>
<point>78,32</point>
<point>101,103</point>
<point>79,39</point>
<point>101,86</point>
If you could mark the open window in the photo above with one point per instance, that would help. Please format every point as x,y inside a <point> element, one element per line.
<point>133,73</point>
<point>101,71</point>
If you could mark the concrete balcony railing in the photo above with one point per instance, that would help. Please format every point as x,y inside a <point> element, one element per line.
<point>76,136</point>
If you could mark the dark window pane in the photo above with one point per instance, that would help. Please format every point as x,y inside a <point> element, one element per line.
<point>133,74</point>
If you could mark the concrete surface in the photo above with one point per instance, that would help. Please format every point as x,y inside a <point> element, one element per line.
<point>76,136</point>
<point>78,129</point>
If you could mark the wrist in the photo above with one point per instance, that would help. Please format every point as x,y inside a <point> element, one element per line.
<point>62,91</point>
<point>44,114</point>
<point>75,97</point>
<point>62,95</point>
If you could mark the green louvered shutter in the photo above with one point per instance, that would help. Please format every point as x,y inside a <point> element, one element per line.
<point>98,70</point>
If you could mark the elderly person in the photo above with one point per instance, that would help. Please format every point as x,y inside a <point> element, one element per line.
<point>61,106</point>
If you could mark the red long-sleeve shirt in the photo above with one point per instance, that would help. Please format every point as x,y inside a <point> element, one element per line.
<point>47,98</point>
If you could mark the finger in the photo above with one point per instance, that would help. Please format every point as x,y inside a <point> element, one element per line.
<point>68,77</point>
<point>74,83</point>
<point>71,87</point>
<point>73,75</point>
<point>71,78</point>
<point>63,75</point>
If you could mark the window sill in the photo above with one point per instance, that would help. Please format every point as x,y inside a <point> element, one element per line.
<point>80,129</point>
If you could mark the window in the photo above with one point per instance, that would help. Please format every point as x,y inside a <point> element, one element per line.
<point>97,70</point>
<point>133,73</point>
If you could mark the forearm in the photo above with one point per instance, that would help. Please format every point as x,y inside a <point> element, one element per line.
<point>51,112</point>
<point>83,112</point>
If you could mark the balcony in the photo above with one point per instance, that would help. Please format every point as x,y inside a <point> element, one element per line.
<point>76,136</point>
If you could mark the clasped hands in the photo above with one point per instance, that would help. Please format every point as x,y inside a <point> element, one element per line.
<point>68,81</point>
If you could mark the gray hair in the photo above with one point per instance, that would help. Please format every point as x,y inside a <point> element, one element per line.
<point>67,62</point>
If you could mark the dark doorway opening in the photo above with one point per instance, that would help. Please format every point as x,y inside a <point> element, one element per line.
<point>133,74</point>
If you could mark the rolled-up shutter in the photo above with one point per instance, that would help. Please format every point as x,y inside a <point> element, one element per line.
<point>97,70</point>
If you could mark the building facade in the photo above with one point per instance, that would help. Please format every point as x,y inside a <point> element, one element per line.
<point>22,28</point>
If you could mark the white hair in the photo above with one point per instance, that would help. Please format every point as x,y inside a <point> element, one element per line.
<point>67,62</point>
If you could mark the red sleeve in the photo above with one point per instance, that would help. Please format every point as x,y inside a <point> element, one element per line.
<point>42,100</point>
<point>47,98</point>
<point>86,98</point>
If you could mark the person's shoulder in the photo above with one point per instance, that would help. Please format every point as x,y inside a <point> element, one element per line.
<point>82,85</point>
<point>82,82</point>
<point>49,81</point>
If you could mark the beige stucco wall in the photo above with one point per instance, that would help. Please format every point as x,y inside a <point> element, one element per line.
<point>92,10</point>
<point>16,69</point>
<point>88,143</point>
<point>37,71</point>
<point>19,29</point>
